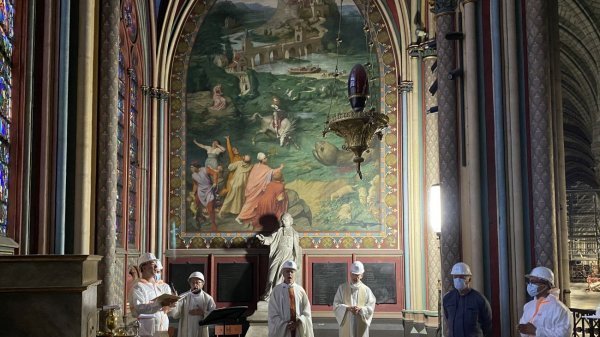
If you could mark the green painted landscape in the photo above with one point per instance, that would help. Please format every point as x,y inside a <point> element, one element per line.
<point>253,64</point>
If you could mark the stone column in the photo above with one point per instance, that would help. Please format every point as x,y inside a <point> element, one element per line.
<point>470,177</point>
<point>446,51</point>
<point>107,151</point>
<point>514,166</point>
<point>542,173</point>
<point>432,170</point>
<point>85,112</point>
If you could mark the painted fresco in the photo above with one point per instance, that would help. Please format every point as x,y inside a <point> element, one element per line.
<point>260,85</point>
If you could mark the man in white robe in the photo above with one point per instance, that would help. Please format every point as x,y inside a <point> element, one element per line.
<point>289,308</point>
<point>151,314</point>
<point>354,304</point>
<point>194,306</point>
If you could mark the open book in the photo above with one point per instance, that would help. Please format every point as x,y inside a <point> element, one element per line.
<point>166,298</point>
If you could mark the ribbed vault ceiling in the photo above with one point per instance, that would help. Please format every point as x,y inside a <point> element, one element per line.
<point>579,25</point>
<point>579,29</point>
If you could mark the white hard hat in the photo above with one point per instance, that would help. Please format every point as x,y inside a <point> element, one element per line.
<point>159,265</point>
<point>543,273</point>
<point>461,268</point>
<point>261,156</point>
<point>196,274</point>
<point>289,265</point>
<point>146,257</point>
<point>357,268</point>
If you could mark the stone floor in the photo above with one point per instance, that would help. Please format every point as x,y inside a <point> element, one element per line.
<point>582,299</point>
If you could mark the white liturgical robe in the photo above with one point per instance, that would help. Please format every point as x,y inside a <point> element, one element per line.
<point>188,324</point>
<point>279,311</point>
<point>348,295</point>
<point>153,320</point>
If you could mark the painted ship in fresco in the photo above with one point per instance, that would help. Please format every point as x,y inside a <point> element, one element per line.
<point>310,69</point>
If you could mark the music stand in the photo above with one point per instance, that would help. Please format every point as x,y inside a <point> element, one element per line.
<point>224,315</point>
<point>225,320</point>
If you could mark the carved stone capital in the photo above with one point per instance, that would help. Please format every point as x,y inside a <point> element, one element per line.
<point>157,93</point>
<point>406,86</point>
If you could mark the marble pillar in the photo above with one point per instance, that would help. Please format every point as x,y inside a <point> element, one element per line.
<point>107,151</point>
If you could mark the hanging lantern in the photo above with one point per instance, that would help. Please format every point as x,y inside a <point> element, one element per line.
<point>358,125</point>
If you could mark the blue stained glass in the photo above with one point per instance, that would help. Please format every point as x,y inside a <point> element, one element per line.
<point>7,16</point>
<point>121,90</point>
<point>120,148</point>
<point>4,153</point>
<point>119,229</point>
<point>133,131</point>
<point>131,234</point>
<point>120,108</point>
<point>120,165</point>
<point>5,71</point>
<point>120,133</point>
<point>132,178</point>
<point>3,212</point>
<point>119,177</point>
<point>3,183</point>
<point>133,149</point>
<point>8,103</point>
<point>6,46</point>
<point>132,199</point>
<point>132,96</point>
<point>3,128</point>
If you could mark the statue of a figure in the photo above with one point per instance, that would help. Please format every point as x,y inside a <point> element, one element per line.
<point>285,245</point>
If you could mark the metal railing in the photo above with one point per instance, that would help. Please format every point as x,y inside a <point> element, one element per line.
<point>585,327</point>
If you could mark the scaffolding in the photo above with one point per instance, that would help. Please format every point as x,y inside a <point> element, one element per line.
<point>583,216</point>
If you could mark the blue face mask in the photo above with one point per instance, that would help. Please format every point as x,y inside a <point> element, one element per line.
<point>532,289</point>
<point>460,284</point>
<point>157,277</point>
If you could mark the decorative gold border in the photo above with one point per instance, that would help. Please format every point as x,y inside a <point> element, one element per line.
<point>390,184</point>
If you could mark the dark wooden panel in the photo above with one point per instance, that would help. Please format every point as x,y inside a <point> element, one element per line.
<point>235,282</point>
<point>381,278</point>
<point>326,278</point>
<point>179,272</point>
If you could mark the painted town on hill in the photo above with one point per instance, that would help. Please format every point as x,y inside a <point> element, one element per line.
<point>259,85</point>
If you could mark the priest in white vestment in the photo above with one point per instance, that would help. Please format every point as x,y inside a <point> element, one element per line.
<point>194,306</point>
<point>354,304</point>
<point>289,308</point>
<point>151,314</point>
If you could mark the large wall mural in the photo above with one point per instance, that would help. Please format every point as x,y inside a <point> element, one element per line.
<point>252,86</point>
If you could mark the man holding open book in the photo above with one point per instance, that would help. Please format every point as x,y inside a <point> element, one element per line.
<point>150,302</point>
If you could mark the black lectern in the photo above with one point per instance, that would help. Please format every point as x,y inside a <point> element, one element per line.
<point>225,320</point>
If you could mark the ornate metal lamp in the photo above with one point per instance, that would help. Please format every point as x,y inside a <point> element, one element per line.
<point>358,125</point>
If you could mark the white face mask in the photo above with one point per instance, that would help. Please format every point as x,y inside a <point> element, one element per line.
<point>532,289</point>
<point>460,284</point>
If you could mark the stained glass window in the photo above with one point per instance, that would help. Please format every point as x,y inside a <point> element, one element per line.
<point>133,154</point>
<point>7,15</point>
<point>120,144</point>
<point>128,133</point>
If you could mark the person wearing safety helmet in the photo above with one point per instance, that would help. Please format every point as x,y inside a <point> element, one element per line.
<point>151,314</point>
<point>194,306</point>
<point>466,311</point>
<point>289,308</point>
<point>545,314</point>
<point>354,304</point>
